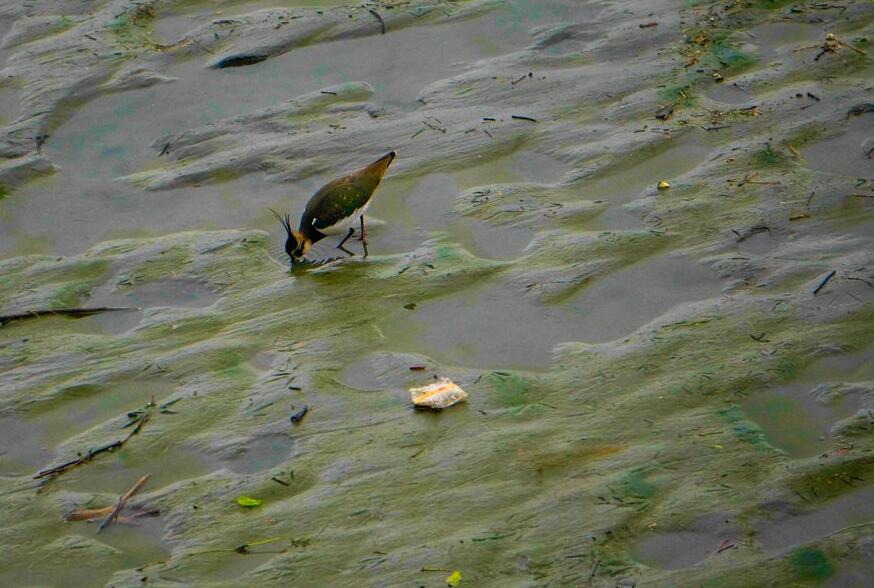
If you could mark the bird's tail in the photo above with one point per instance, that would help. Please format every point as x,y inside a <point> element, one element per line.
<point>378,167</point>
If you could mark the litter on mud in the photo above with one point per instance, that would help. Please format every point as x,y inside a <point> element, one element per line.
<point>441,394</point>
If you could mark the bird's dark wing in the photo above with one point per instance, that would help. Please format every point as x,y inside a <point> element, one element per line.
<point>337,200</point>
<point>340,198</point>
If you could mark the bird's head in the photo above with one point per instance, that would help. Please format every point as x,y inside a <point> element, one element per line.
<point>296,243</point>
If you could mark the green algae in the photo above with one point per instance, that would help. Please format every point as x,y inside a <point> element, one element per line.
<point>768,157</point>
<point>654,417</point>
<point>811,564</point>
<point>511,389</point>
<point>744,429</point>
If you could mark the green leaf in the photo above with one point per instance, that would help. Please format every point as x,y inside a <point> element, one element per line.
<point>453,579</point>
<point>248,501</point>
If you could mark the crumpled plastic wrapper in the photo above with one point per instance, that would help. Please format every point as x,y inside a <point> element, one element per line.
<point>441,394</point>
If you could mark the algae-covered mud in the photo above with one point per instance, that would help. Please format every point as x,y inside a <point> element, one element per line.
<point>666,387</point>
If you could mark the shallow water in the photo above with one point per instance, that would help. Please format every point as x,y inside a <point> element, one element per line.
<point>639,177</point>
<point>666,402</point>
<point>177,293</point>
<point>28,437</point>
<point>683,548</point>
<point>846,154</point>
<point>782,530</point>
<point>798,422</point>
<point>498,326</point>
<point>112,136</point>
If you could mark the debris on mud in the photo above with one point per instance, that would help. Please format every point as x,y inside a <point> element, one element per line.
<point>122,501</point>
<point>439,395</point>
<point>297,417</point>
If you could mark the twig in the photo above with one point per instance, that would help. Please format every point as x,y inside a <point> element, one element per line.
<point>84,459</point>
<point>20,316</point>
<point>520,117</point>
<point>747,179</point>
<point>595,569</point>
<point>435,127</point>
<point>122,501</point>
<point>59,469</point>
<point>824,282</point>
<point>379,18</point>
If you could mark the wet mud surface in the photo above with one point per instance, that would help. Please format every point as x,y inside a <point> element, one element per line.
<point>666,386</point>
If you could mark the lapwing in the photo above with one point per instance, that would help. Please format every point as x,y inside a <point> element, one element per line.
<point>335,208</point>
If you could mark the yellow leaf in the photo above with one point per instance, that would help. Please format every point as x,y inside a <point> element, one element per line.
<point>248,502</point>
<point>453,579</point>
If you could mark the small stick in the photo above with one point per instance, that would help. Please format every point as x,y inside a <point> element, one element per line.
<point>122,501</point>
<point>84,459</point>
<point>278,481</point>
<point>20,316</point>
<point>379,18</point>
<point>824,282</point>
<point>848,46</point>
<point>595,569</point>
<point>93,452</point>
<point>520,117</point>
<point>435,127</point>
<point>329,92</point>
<point>814,96</point>
<point>747,179</point>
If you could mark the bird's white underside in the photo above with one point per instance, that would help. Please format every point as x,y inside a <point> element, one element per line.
<point>343,226</point>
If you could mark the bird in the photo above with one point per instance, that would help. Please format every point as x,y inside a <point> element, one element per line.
<point>335,208</point>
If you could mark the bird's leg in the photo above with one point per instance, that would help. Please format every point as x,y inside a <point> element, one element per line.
<point>346,238</point>
<point>363,236</point>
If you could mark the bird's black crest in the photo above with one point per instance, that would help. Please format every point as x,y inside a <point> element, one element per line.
<point>284,220</point>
